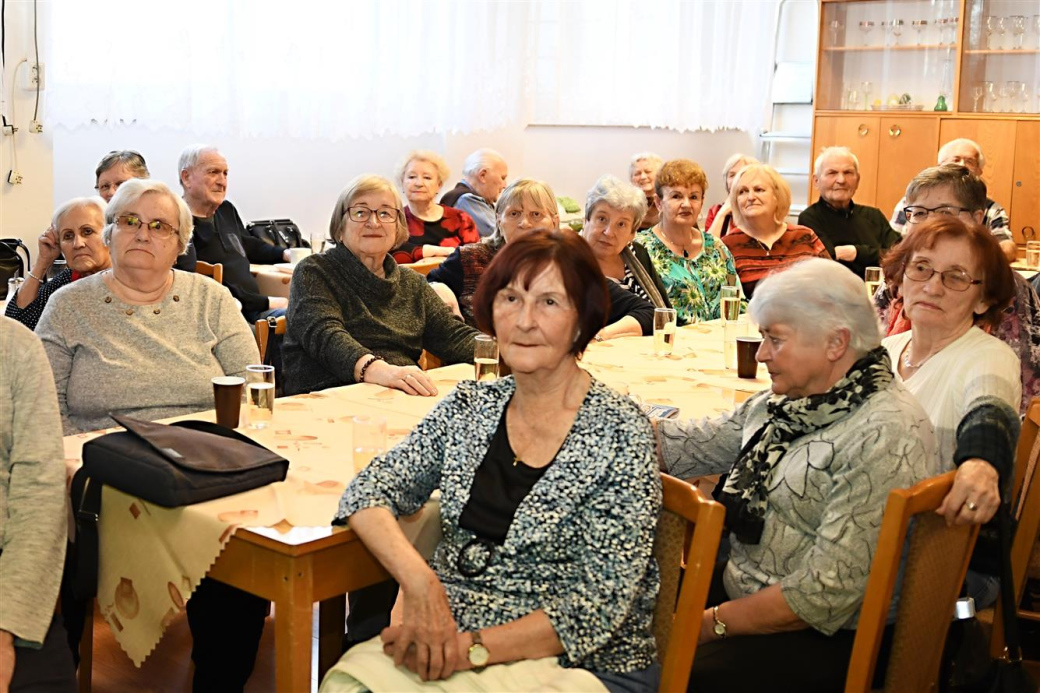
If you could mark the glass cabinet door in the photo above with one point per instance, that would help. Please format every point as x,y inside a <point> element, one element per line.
<point>1000,72</point>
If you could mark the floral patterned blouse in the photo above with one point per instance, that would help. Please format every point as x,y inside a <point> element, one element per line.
<point>694,284</point>
<point>580,545</point>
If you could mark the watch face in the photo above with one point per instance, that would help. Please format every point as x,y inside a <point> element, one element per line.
<point>720,629</point>
<point>478,655</point>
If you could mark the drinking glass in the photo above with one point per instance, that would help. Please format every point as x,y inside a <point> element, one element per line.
<point>318,243</point>
<point>943,23</point>
<point>991,29</point>
<point>1002,99</point>
<point>1018,30</point>
<point>866,88</point>
<point>836,26</point>
<point>259,395</point>
<point>990,104</point>
<point>485,358</point>
<point>851,98</point>
<point>13,285</point>
<point>664,331</point>
<point>977,92</point>
<point>886,31</point>
<point>872,278</point>
<point>729,302</point>
<point>1036,28</point>
<point>897,29</point>
<point>1033,254</point>
<point>919,26</point>
<point>866,27</point>
<point>1001,27</point>
<point>368,439</point>
<point>1013,88</point>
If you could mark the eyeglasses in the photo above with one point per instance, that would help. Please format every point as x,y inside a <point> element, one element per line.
<point>156,228</point>
<point>109,186</point>
<point>915,215</point>
<point>953,279</point>
<point>384,215</point>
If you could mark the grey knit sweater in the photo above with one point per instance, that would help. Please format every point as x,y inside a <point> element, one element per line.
<point>32,486</point>
<point>150,362</point>
<point>339,311</point>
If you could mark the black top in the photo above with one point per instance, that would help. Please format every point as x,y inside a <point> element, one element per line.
<point>864,227</point>
<point>452,196</point>
<point>222,238</point>
<point>500,484</point>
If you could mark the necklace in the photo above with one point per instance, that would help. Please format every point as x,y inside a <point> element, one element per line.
<point>906,357</point>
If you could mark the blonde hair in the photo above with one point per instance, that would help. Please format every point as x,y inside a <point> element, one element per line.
<point>363,184</point>
<point>536,191</point>
<point>429,156</point>
<point>781,190</point>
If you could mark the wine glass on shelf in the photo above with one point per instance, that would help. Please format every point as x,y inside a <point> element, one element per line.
<point>866,26</point>
<point>836,26</point>
<point>944,29</point>
<point>955,23</point>
<point>1002,98</point>
<point>977,92</point>
<point>1002,25</point>
<point>991,29</point>
<point>865,89</point>
<point>1036,29</point>
<point>1013,88</point>
<point>886,31</point>
<point>1018,30</point>
<point>897,29</point>
<point>919,26</point>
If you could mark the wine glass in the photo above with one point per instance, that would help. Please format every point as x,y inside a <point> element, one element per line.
<point>1036,28</point>
<point>990,104</point>
<point>919,26</point>
<point>897,29</point>
<point>1002,25</point>
<point>866,88</point>
<point>886,31</point>
<point>1002,97</point>
<point>1013,88</point>
<point>836,26</point>
<point>977,92</point>
<point>954,30</point>
<point>991,28</point>
<point>1018,30</point>
<point>866,26</point>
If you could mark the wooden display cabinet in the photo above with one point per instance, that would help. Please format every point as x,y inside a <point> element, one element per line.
<point>885,66</point>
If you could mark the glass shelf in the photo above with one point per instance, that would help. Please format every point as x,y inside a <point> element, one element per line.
<point>1000,63</point>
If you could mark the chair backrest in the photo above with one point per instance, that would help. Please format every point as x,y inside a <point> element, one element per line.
<point>690,527</point>
<point>936,562</point>
<point>216,271</point>
<point>1026,489</point>
<point>263,334</point>
<point>428,361</point>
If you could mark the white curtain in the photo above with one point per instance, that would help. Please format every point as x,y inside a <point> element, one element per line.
<point>364,68</point>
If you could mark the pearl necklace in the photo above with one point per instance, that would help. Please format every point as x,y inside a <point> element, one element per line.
<point>906,357</point>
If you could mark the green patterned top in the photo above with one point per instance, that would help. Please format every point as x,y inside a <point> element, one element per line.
<point>694,284</point>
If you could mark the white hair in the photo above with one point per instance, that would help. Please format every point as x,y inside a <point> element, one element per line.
<point>480,159</point>
<point>829,152</point>
<point>818,296</point>
<point>75,203</point>
<point>655,161</point>
<point>131,192</point>
<point>944,150</point>
<point>190,157</point>
<point>617,194</point>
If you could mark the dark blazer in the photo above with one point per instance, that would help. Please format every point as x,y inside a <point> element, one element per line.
<point>452,196</point>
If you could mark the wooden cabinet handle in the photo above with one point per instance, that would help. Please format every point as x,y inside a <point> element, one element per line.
<point>895,131</point>
<point>863,130</point>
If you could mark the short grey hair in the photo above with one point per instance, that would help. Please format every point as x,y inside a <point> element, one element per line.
<point>482,158</point>
<point>430,157</point>
<point>76,203</point>
<point>189,158</point>
<point>362,185</point>
<point>735,159</point>
<point>131,192</point>
<point>617,194</point>
<point>819,297</point>
<point>522,189</point>
<point>133,162</point>
<point>654,160</point>
<point>968,189</point>
<point>829,152</point>
<point>945,149</point>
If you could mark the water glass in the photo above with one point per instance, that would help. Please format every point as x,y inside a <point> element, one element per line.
<point>259,395</point>
<point>872,277</point>
<point>732,330</point>
<point>665,322</point>
<point>729,303</point>
<point>1033,254</point>
<point>485,358</point>
<point>13,285</point>
<point>318,243</point>
<point>368,440</point>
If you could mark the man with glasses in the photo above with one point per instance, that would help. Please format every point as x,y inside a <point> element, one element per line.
<point>855,235</point>
<point>967,153</point>
<point>484,176</point>
<point>220,235</point>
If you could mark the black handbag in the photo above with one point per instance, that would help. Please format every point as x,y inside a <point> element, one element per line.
<point>281,233</point>
<point>11,262</point>
<point>181,464</point>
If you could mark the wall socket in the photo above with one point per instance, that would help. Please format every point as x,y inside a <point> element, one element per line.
<point>36,127</point>
<point>14,178</point>
<point>31,76</point>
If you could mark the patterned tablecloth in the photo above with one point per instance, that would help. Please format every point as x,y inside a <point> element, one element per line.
<point>153,558</point>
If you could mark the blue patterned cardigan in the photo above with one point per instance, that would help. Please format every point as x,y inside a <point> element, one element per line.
<point>580,545</point>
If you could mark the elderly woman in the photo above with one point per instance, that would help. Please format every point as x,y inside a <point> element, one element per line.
<point>953,279</point>
<point>355,316</point>
<point>525,206</point>
<point>694,266</point>
<point>546,547</point>
<point>729,172</point>
<point>810,466</point>
<point>433,229</point>
<point>145,340</point>
<point>75,232</point>
<point>613,210</point>
<point>642,171</point>
<point>761,240</point>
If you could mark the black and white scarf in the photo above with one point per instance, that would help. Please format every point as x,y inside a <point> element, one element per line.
<point>744,494</point>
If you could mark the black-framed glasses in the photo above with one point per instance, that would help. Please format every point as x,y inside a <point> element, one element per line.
<point>916,214</point>
<point>384,215</point>
<point>953,279</point>
<point>156,228</point>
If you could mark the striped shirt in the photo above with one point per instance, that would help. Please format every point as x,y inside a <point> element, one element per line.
<point>755,260</point>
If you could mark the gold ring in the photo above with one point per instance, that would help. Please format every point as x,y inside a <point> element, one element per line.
<point>971,506</point>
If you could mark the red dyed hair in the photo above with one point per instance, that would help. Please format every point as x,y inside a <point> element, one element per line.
<point>526,257</point>
<point>998,284</point>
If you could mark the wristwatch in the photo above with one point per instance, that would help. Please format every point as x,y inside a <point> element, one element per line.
<point>478,654</point>
<point>720,627</point>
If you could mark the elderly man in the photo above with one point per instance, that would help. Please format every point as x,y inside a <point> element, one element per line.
<point>855,235</point>
<point>968,153</point>
<point>484,176</point>
<point>220,235</point>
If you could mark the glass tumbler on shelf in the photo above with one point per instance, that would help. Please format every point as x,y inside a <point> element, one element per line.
<point>866,88</point>
<point>989,105</point>
<point>919,25</point>
<point>1018,30</point>
<point>866,26</point>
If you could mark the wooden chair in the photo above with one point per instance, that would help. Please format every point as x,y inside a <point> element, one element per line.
<point>263,334</point>
<point>428,361</point>
<point>215,271</point>
<point>689,528</point>
<point>936,561</point>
